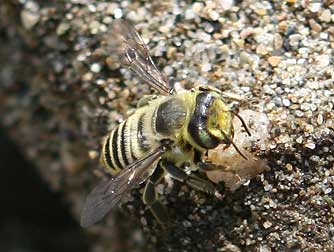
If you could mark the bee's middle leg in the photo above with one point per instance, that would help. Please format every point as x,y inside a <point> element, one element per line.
<point>191,180</point>
<point>150,198</point>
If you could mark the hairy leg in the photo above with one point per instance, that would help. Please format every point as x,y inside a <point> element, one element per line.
<point>150,197</point>
<point>191,180</point>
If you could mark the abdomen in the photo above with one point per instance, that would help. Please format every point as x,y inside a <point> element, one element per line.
<point>142,132</point>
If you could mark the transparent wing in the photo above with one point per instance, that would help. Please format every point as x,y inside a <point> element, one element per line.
<point>109,193</point>
<point>125,45</point>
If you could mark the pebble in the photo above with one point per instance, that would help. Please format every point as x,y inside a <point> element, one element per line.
<point>189,14</point>
<point>118,13</point>
<point>92,8</point>
<point>315,26</point>
<point>324,35</point>
<point>267,224</point>
<point>315,6</point>
<point>95,68</point>
<point>326,16</point>
<point>274,60</point>
<point>265,248</point>
<point>286,102</point>
<point>62,28</point>
<point>226,4</point>
<point>87,76</point>
<point>94,27</point>
<point>328,190</point>
<point>261,49</point>
<point>278,41</point>
<point>310,145</point>
<point>93,154</point>
<point>168,70</point>
<point>197,7</point>
<point>246,32</point>
<point>107,20</point>
<point>282,26</point>
<point>260,11</point>
<point>299,139</point>
<point>245,58</point>
<point>323,60</point>
<point>294,39</point>
<point>299,113</point>
<point>320,119</point>
<point>206,67</point>
<point>208,27</point>
<point>29,18</point>
<point>214,15</point>
<point>187,224</point>
<point>239,42</point>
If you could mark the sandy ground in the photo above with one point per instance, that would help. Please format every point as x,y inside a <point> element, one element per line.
<point>276,55</point>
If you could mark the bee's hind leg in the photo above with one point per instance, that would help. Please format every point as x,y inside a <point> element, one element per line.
<point>191,180</point>
<point>150,198</point>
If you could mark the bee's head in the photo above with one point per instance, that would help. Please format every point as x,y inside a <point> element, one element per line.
<point>220,124</point>
<point>211,123</point>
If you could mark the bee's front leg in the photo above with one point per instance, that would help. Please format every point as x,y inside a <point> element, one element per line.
<point>191,180</point>
<point>207,166</point>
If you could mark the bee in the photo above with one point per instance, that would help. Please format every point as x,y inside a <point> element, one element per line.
<point>165,134</point>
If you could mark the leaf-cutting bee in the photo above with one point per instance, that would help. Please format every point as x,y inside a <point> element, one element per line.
<point>165,134</point>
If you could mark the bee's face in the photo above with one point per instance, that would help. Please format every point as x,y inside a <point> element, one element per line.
<point>220,121</point>
<point>211,123</point>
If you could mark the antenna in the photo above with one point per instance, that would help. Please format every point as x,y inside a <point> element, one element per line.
<point>241,120</point>
<point>229,140</point>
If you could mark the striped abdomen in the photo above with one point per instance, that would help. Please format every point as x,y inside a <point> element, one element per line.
<point>142,132</point>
